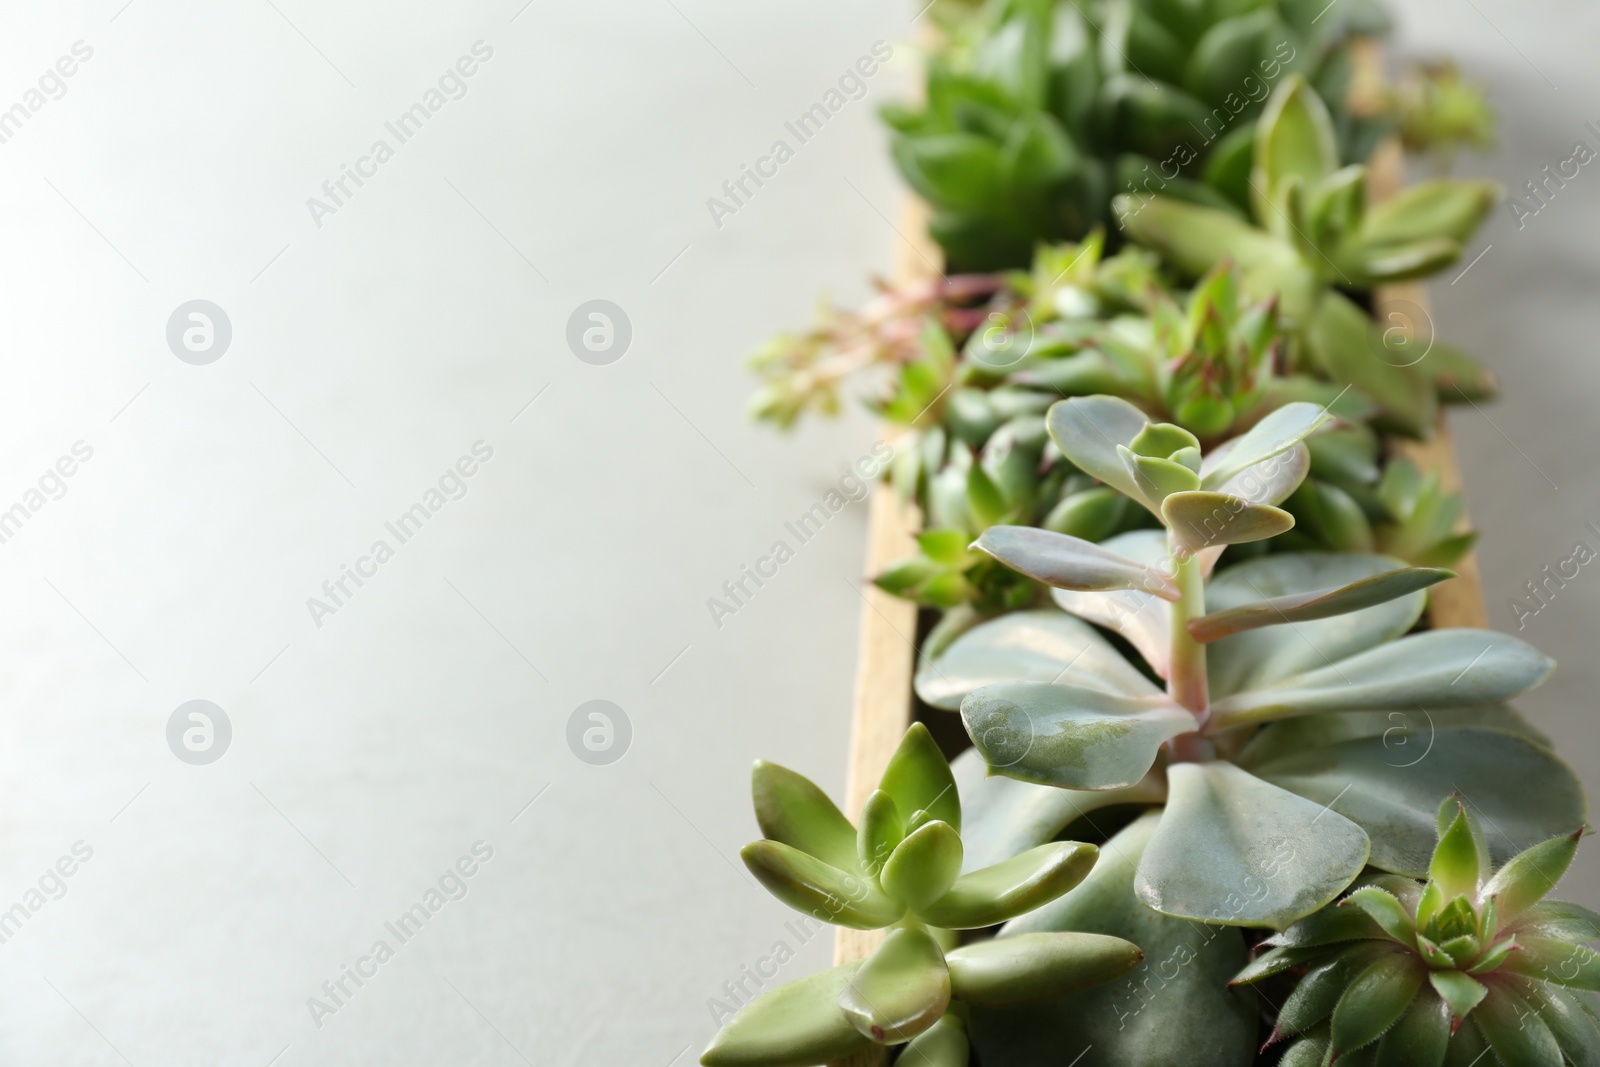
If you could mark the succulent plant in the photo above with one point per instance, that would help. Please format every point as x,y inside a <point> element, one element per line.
<point>1040,112</point>
<point>902,868</point>
<point>1276,748</point>
<point>1440,112</point>
<point>1419,973</point>
<point>1314,233</point>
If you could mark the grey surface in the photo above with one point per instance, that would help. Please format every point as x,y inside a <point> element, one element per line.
<point>370,753</point>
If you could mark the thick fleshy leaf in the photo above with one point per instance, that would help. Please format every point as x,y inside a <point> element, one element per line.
<point>1193,238</point>
<point>1201,519</point>
<point>1421,1036</point>
<point>1316,995</point>
<point>1456,864</point>
<point>1005,817</point>
<point>1408,734</point>
<point>924,866</point>
<point>1070,562</point>
<point>1039,646</point>
<point>1376,998</point>
<point>1013,887</point>
<point>1348,347</point>
<point>824,892</point>
<point>1317,604</point>
<point>1272,436</point>
<point>919,780</point>
<point>1271,481</point>
<point>1461,992</point>
<point>944,1044</point>
<point>795,1025</point>
<point>1515,1031</point>
<point>1382,907</point>
<point>1070,736</point>
<point>1529,875</point>
<point>1523,792</point>
<point>881,828</point>
<point>1571,1020</point>
<point>1026,967</point>
<point>1144,620</point>
<point>791,809</point>
<point>1088,431</point>
<point>1274,962</point>
<point>1561,920</point>
<point>1437,669</point>
<point>1548,960</point>
<point>1443,207</point>
<point>1294,139</point>
<point>1262,657</point>
<point>901,990</point>
<point>1234,849</point>
<point>1129,1022</point>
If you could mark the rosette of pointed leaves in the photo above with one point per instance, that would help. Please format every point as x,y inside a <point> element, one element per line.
<point>1312,644</point>
<point>1403,973</point>
<point>901,867</point>
<point>1039,116</point>
<point>1313,232</point>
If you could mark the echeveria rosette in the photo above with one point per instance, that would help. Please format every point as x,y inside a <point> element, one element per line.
<point>1402,973</point>
<point>901,868</point>
<point>1299,645</point>
<point>1313,233</point>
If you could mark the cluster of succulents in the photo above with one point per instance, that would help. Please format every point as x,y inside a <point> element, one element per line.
<point>1183,574</point>
<point>1037,113</point>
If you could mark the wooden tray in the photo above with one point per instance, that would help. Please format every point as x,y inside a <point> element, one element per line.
<point>887,648</point>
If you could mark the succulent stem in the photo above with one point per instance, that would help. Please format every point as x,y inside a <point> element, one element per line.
<point>1186,681</point>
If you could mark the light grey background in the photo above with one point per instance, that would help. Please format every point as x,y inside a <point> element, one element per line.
<point>368,354</point>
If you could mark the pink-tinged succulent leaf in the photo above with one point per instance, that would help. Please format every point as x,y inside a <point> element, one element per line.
<point>1317,604</point>
<point>1547,960</point>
